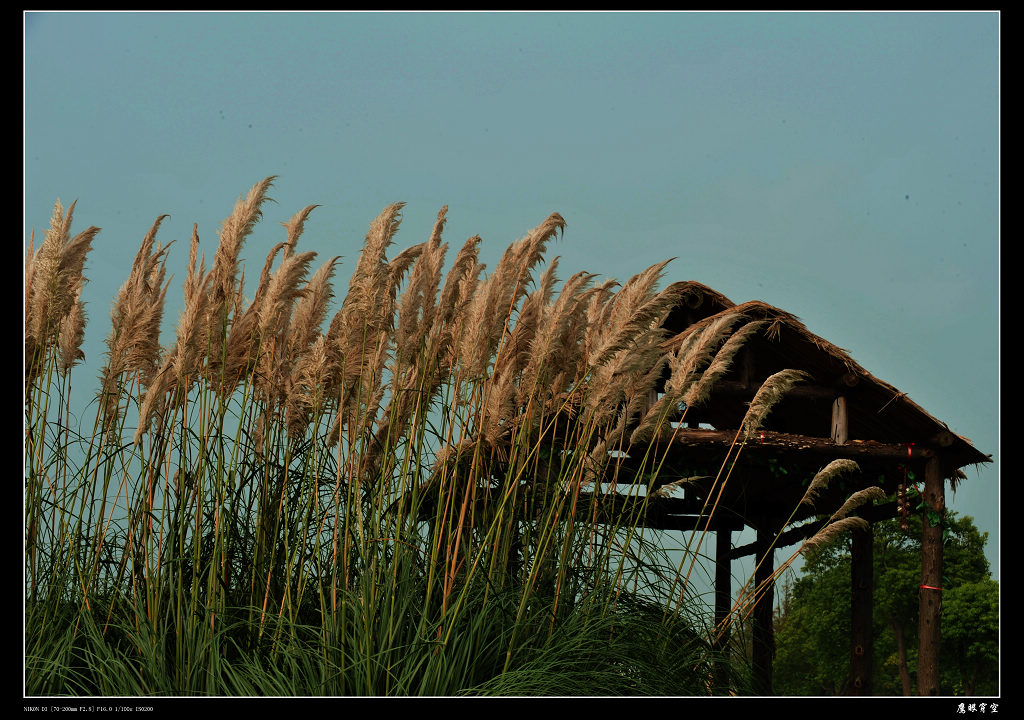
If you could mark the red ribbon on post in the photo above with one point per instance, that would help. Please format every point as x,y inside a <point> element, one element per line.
<point>931,587</point>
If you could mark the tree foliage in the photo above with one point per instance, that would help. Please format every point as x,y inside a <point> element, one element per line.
<point>813,620</point>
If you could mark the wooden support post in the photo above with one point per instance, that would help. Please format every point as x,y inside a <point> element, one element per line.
<point>840,424</point>
<point>723,597</point>
<point>930,627</point>
<point>764,633</point>
<point>861,602</point>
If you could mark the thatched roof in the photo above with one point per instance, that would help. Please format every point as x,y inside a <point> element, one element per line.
<point>696,302</point>
<point>877,411</point>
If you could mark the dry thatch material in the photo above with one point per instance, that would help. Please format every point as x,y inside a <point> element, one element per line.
<point>877,410</point>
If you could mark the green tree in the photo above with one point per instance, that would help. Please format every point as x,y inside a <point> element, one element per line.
<point>811,626</point>
<point>813,621</point>
<point>970,634</point>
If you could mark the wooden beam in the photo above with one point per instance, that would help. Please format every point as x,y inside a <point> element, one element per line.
<point>930,623</point>
<point>804,392</point>
<point>775,441</point>
<point>660,513</point>
<point>655,505</point>
<point>688,523</point>
<point>628,469</point>
<point>861,603</point>
<point>871,513</point>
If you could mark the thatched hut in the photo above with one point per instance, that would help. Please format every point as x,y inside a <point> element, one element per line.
<point>842,412</point>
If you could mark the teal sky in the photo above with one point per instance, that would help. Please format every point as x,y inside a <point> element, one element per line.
<point>842,166</point>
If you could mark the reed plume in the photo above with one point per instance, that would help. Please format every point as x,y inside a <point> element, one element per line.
<point>555,359</point>
<point>306,387</point>
<point>274,316</point>
<point>311,309</point>
<point>859,498</point>
<point>225,290</point>
<point>832,531</point>
<point>43,294</point>
<point>233,232</point>
<point>666,489</point>
<point>696,351</point>
<point>693,369</point>
<point>498,295</point>
<point>181,364</point>
<point>771,392</point>
<point>306,346</point>
<point>824,476</point>
<point>459,288</point>
<point>359,335</point>
<point>189,349</point>
<point>624,347</point>
<point>133,346</point>
<point>414,366</point>
<point>418,308</point>
<point>699,391</point>
<point>54,312</point>
<point>631,312</point>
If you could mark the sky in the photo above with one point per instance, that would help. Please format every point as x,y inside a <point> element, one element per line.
<point>843,166</point>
